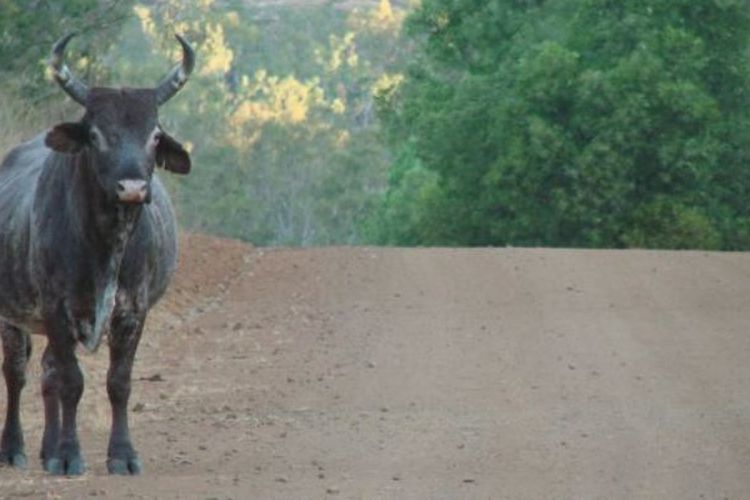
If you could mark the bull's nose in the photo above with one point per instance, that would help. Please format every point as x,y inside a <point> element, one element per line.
<point>132,190</point>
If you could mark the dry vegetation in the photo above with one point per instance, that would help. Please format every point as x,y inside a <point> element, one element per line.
<point>20,122</point>
<point>11,123</point>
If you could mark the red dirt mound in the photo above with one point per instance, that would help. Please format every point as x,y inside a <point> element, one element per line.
<point>207,266</point>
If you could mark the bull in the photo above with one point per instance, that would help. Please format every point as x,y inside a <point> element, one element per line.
<point>87,246</point>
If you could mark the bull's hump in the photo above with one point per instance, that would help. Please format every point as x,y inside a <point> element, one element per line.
<point>29,154</point>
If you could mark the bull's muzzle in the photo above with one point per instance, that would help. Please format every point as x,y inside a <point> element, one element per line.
<point>132,191</point>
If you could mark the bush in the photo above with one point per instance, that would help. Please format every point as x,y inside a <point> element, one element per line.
<point>666,224</point>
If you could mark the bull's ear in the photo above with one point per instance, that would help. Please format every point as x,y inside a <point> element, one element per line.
<point>67,137</point>
<point>171,155</point>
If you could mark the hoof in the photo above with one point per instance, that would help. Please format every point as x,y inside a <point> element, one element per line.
<point>125,466</point>
<point>13,459</point>
<point>72,466</point>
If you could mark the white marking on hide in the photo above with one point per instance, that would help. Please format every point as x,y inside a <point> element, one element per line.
<point>105,306</point>
<point>105,301</point>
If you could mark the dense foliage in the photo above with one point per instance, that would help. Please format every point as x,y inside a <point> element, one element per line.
<point>29,27</point>
<point>588,123</point>
<point>572,123</point>
<point>279,115</point>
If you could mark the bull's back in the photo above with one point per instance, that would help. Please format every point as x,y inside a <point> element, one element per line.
<point>19,172</point>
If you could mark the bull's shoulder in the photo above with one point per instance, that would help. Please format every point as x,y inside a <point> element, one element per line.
<point>154,239</point>
<point>156,231</point>
<point>152,248</point>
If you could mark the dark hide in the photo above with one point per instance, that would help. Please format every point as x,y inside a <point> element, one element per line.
<point>75,264</point>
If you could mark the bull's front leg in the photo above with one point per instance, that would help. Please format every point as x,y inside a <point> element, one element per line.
<point>64,457</point>
<point>16,352</point>
<point>124,337</point>
<point>51,397</point>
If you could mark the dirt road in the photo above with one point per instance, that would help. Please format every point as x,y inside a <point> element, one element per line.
<point>430,373</point>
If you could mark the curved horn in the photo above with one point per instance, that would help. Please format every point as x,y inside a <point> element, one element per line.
<point>76,89</point>
<point>176,78</point>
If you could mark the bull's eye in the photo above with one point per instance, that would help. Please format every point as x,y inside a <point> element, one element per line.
<point>156,136</point>
<point>96,139</point>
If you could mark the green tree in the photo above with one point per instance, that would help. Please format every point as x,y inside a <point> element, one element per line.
<point>28,28</point>
<point>579,123</point>
<point>279,114</point>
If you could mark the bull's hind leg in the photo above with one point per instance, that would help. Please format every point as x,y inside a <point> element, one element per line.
<point>123,342</point>
<point>16,353</point>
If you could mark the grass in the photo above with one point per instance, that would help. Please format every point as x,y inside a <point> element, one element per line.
<point>11,123</point>
<point>20,121</point>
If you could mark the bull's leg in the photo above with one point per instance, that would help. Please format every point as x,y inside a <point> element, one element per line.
<point>124,336</point>
<point>16,352</point>
<point>51,397</point>
<point>65,458</point>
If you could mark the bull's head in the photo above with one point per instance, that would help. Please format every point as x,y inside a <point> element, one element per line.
<point>120,131</point>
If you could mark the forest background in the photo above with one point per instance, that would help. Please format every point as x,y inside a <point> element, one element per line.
<point>581,123</point>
